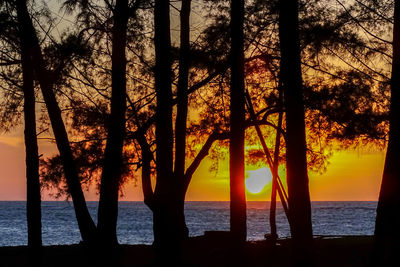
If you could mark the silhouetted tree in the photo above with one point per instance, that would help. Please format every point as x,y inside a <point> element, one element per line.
<point>32,157</point>
<point>237,124</point>
<point>166,230</point>
<point>140,116</point>
<point>296,160</point>
<point>167,200</point>
<point>23,76</point>
<point>328,35</point>
<point>182,109</point>
<point>33,199</point>
<point>323,33</point>
<point>387,232</point>
<point>29,39</point>
<point>112,167</point>
<point>274,171</point>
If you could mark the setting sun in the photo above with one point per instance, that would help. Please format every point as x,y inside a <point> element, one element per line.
<point>257,180</point>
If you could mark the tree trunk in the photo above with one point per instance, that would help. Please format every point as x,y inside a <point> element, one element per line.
<point>272,214</point>
<point>237,121</point>
<point>182,107</point>
<point>164,220</point>
<point>387,232</point>
<point>296,161</point>
<point>33,199</point>
<point>147,156</point>
<point>111,175</point>
<point>29,38</point>
<point>182,111</point>
<point>164,134</point>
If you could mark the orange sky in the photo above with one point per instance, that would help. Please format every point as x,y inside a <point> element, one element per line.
<point>351,175</point>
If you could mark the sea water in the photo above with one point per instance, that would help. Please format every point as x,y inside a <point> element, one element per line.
<point>135,224</point>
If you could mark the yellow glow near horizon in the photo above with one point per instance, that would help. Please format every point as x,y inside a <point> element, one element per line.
<point>352,175</point>
<point>257,180</point>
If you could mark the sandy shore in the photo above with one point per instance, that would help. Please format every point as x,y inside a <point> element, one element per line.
<point>204,251</point>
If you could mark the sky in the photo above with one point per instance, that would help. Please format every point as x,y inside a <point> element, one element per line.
<point>352,175</point>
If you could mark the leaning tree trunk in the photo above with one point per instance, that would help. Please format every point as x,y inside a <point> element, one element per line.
<point>272,213</point>
<point>29,38</point>
<point>387,230</point>
<point>296,161</point>
<point>33,199</point>
<point>111,175</point>
<point>237,121</point>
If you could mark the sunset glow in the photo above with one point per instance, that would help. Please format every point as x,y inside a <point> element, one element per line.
<point>351,175</point>
<point>257,180</point>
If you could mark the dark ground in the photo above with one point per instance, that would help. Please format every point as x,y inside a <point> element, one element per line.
<point>204,251</point>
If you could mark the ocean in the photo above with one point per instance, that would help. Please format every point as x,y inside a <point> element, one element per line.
<point>135,220</point>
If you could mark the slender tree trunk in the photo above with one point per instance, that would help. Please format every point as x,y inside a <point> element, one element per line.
<point>164,217</point>
<point>29,37</point>
<point>272,214</point>
<point>182,107</point>
<point>164,134</point>
<point>387,231</point>
<point>182,111</point>
<point>33,201</point>
<point>296,161</point>
<point>111,175</point>
<point>237,121</point>
<point>168,200</point>
<point>272,210</point>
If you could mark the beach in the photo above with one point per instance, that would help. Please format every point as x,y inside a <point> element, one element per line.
<point>204,251</point>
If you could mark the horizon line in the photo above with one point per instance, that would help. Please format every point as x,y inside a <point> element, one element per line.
<point>66,200</point>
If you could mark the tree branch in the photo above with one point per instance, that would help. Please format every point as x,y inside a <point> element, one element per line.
<point>215,136</point>
<point>147,157</point>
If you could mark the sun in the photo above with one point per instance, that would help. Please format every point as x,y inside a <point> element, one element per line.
<point>257,180</point>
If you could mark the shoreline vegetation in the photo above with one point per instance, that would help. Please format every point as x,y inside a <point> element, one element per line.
<point>211,249</point>
<point>115,92</point>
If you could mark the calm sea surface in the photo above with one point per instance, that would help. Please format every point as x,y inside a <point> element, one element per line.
<point>135,220</point>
